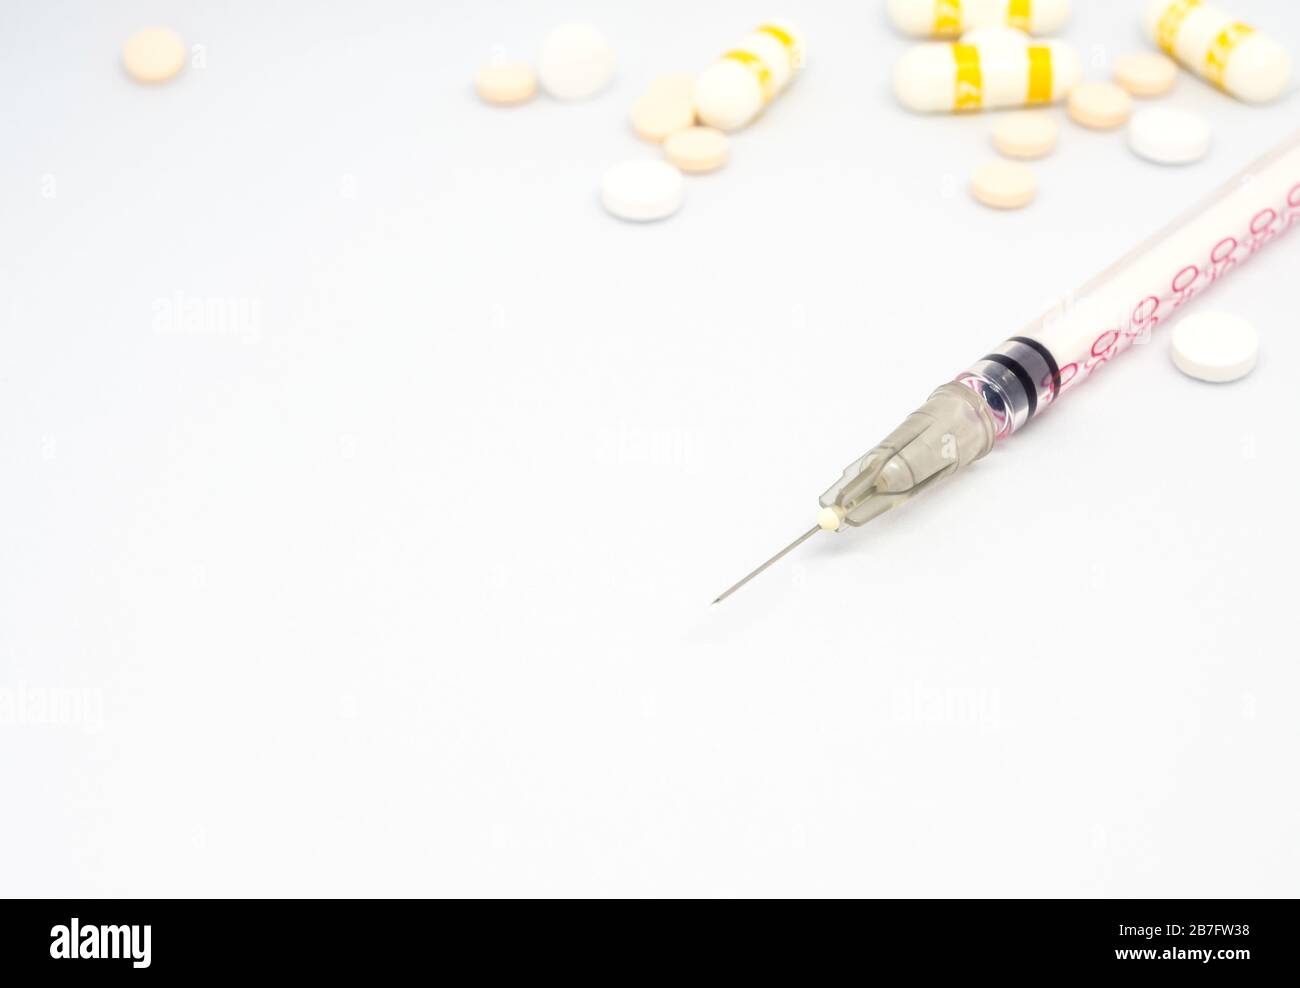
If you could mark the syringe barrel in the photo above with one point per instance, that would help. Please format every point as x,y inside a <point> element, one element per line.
<point>962,420</point>
<point>1122,306</point>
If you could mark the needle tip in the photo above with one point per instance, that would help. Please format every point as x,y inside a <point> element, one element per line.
<point>788,549</point>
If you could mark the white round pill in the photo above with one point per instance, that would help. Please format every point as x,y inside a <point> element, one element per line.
<point>1215,346</point>
<point>155,54</point>
<point>576,62</point>
<point>1168,136</point>
<point>642,190</point>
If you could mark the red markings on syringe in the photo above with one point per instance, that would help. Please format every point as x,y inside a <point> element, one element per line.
<point>1145,318</point>
<point>1227,253</point>
<point>1189,281</point>
<point>1184,285</point>
<point>1263,228</point>
<point>1263,222</point>
<point>1223,258</point>
<point>1105,347</point>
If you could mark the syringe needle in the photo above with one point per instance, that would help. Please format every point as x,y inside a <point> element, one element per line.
<point>784,552</point>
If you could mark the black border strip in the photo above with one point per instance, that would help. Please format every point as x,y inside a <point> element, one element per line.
<point>231,937</point>
<point>1046,354</point>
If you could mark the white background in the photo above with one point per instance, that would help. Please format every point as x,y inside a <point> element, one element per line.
<point>400,585</point>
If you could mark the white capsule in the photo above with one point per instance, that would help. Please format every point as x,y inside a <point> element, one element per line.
<point>982,37</point>
<point>941,78</point>
<point>1219,48</point>
<point>734,90</point>
<point>953,18</point>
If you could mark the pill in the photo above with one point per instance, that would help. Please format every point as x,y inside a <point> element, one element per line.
<point>984,36</point>
<point>1146,73</point>
<point>577,62</point>
<point>155,54</point>
<point>666,107</point>
<point>1029,134</point>
<point>642,190</point>
<point>1004,185</point>
<point>940,77</point>
<point>1169,136</point>
<point>1100,105</point>
<point>734,90</point>
<point>1215,346</point>
<point>953,18</point>
<point>697,149</point>
<point>1219,48</point>
<point>506,84</point>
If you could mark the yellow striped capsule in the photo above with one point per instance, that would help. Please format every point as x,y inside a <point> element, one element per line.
<point>953,18</point>
<point>1220,49</point>
<point>734,90</point>
<point>945,78</point>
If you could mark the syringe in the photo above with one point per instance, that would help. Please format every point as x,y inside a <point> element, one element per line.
<point>963,419</point>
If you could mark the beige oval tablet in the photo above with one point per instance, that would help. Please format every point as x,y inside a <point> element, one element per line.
<point>698,149</point>
<point>155,54</point>
<point>1146,73</point>
<point>1100,105</point>
<point>1031,134</point>
<point>657,120</point>
<point>1004,185</point>
<point>676,87</point>
<point>506,84</point>
<point>667,106</point>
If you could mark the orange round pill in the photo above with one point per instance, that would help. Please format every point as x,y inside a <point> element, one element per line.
<point>1004,185</point>
<point>698,149</point>
<point>155,54</point>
